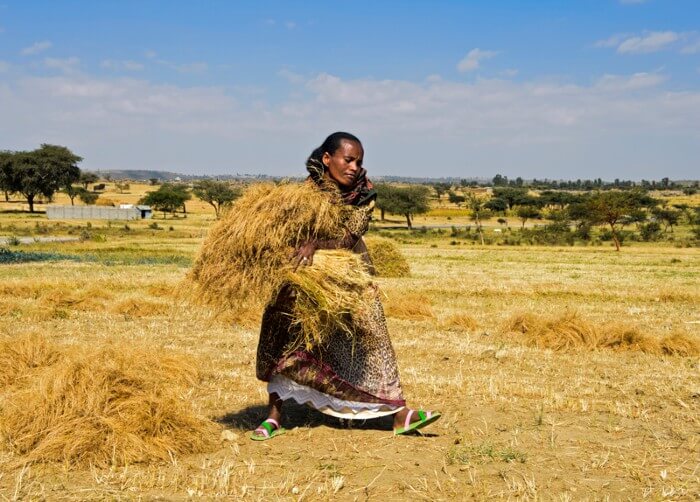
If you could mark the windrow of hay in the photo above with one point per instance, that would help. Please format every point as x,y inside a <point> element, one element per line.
<point>387,258</point>
<point>569,331</point>
<point>460,322</point>
<point>409,306</point>
<point>104,406</point>
<point>247,254</point>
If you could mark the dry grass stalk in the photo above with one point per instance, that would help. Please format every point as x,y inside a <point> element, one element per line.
<point>387,258</point>
<point>20,356</point>
<point>107,406</point>
<point>410,306</point>
<point>329,294</point>
<point>569,331</point>
<point>460,322</point>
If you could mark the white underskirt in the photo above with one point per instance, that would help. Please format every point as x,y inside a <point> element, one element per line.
<point>353,410</point>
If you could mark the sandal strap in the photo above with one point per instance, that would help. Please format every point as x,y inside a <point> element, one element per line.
<point>273,422</point>
<point>407,423</point>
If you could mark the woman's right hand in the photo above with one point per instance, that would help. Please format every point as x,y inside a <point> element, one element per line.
<point>304,254</point>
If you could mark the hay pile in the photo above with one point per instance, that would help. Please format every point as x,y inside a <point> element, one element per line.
<point>105,406</point>
<point>569,331</point>
<point>246,258</point>
<point>387,258</point>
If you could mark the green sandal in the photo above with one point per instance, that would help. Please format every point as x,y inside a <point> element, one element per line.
<point>267,430</point>
<point>426,418</point>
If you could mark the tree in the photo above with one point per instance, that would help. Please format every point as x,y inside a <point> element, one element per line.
<point>72,192</point>
<point>407,201</point>
<point>454,198</point>
<point>168,198</point>
<point>479,213</point>
<point>611,207</point>
<point>88,198</point>
<point>88,178</point>
<point>42,172</point>
<point>668,216</point>
<point>527,212</point>
<point>122,186</point>
<point>499,181</point>
<point>216,193</point>
<point>6,173</point>
<point>440,189</point>
<point>385,196</point>
<point>496,204</point>
<point>512,196</point>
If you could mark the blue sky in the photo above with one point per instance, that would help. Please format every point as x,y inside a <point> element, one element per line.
<point>596,88</point>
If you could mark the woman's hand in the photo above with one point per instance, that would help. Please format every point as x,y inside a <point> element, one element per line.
<point>304,254</point>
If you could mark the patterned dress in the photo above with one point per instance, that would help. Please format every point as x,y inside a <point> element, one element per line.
<point>345,377</point>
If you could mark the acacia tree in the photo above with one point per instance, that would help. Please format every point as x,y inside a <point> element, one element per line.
<point>168,198</point>
<point>6,174</point>
<point>527,212</point>
<point>88,198</point>
<point>88,178</point>
<point>407,201</point>
<point>42,172</point>
<point>385,196</point>
<point>612,207</point>
<point>479,212</point>
<point>72,192</point>
<point>216,193</point>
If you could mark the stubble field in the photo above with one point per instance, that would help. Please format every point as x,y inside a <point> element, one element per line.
<point>602,420</point>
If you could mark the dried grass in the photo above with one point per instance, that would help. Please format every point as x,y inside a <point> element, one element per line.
<point>569,331</point>
<point>387,258</point>
<point>138,307</point>
<point>247,258</point>
<point>409,306</point>
<point>329,294</point>
<point>21,355</point>
<point>460,322</point>
<point>106,406</point>
<point>247,254</point>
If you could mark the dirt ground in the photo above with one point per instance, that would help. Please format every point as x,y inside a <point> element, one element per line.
<point>518,422</point>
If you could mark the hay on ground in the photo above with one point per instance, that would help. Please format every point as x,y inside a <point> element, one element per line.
<point>409,306</point>
<point>107,406</point>
<point>21,355</point>
<point>387,258</point>
<point>460,322</point>
<point>569,331</point>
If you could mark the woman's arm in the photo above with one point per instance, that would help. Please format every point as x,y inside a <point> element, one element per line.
<point>304,254</point>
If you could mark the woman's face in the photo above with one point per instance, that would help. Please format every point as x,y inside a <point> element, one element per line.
<point>345,164</point>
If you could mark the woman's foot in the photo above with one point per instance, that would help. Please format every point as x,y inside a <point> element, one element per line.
<point>408,420</point>
<point>270,427</point>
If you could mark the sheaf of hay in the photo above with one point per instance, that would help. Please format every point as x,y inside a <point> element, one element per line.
<point>329,294</point>
<point>387,258</point>
<point>569,331</point>
<point>247,254</point>
<point>247,257</point>
<point>104,406</point>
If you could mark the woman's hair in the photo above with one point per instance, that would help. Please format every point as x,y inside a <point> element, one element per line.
<point>332,143</point>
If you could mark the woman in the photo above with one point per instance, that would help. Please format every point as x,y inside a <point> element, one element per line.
<point>348,378</point>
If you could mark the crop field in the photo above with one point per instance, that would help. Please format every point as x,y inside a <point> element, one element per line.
<point>563,373</point>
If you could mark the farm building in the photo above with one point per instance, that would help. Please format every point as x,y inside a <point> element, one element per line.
<point>55,212</point>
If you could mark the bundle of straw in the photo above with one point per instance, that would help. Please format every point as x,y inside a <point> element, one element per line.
<point>247,257</point>
<point>387,258</point>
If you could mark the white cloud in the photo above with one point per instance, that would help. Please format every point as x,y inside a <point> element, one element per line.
<point>150,54</point>
<point>613,40</point>
<point>444,125</point>
<point>509,73</point>
<point>650,42</point>
<point>110,64</point>
<point>66,65</point>
<point>290,25</point>
<point>36,48</point>
<point>4,66</point>
<point>290,76</point>
<point>473,58</point>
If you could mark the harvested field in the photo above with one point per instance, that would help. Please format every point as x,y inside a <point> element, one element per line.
<point>618,418</point>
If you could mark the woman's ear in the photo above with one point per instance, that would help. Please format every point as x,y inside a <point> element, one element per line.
<point>326,159</point>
